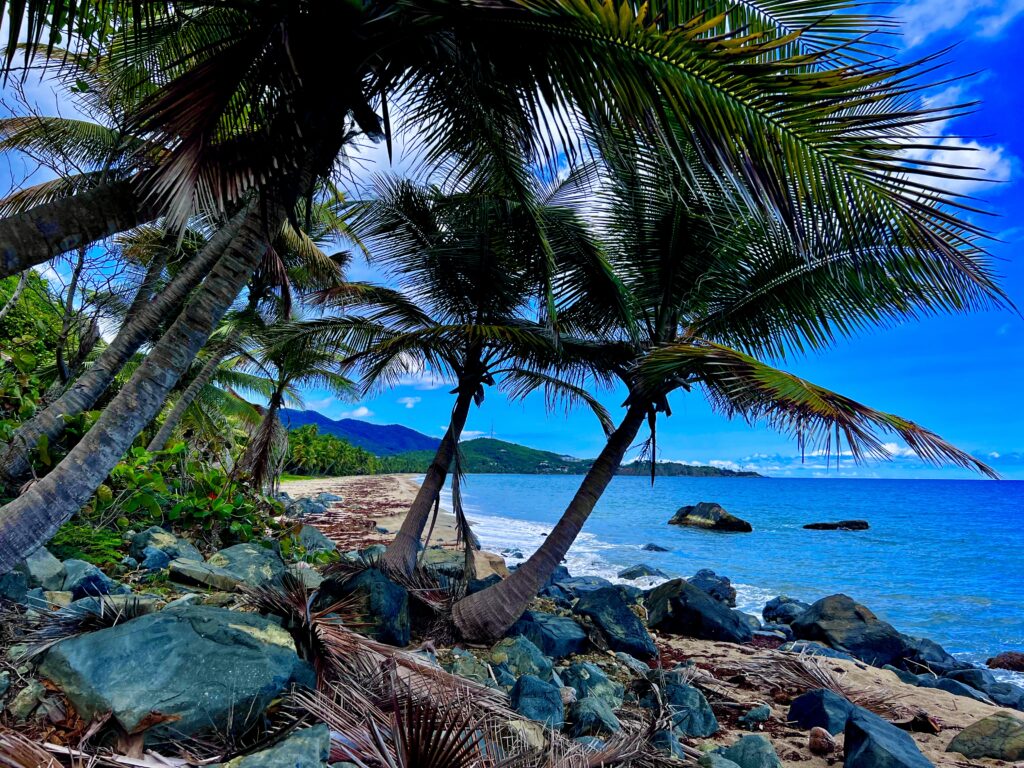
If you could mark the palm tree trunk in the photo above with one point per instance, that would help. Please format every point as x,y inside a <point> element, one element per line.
<point>37,235</point>
<point>30,521</point>
<point>402,552</point>
<point>256,460</point>
<point>63,372</point>
<point>145,293</point>
<point>90,386</point>
<point>18,289</point>
<point>488,614</point>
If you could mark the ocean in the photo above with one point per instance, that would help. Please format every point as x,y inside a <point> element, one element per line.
<point>943,559</point>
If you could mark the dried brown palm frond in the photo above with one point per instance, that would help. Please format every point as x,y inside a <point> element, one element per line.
<point>17,751</point>
<point>425,584</point>
<point>51,627</point>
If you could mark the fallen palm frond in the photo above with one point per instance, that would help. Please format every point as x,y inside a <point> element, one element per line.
<point>51,627</point>
<point>17,751</point>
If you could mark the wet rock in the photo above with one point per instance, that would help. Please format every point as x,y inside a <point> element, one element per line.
<point>202,574</point>
<point>157,538</point>
<point>592,717</point>
<point>752,752</point>
<point>839,525</point>
<point>178,673</point>
<point>383,604</point>
<point>43,570</point>
<point>307,748</point>
<point>577,586</point>
<point>654,548</point>
<point>821,742</point>
<point>640,571</point>
<point>82,579</point>
<point>999,736</point>
<point>622,628</point>
<point>522,657</point>
<point>710,516</point>
<point>1003,694</point>
<point>1012,660</point>
<point>556,636</point>
<point>677,607</point>
<point>590,680</point>
<point>537,700</point>
<point>719,587</point>
<point>781,631</point>
<point>251,563</point>
<point>872,742</point>
<point>820,708</point>
<point>783,610</point>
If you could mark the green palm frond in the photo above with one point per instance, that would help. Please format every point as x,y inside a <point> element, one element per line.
<point>520,383</point>
<point>739,385</point>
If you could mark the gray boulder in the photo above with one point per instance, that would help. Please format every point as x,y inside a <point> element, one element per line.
<point>719,587</point>
<point>592,717</point>
<point>13,586</point>
<point>654,548</point>
<point>752,752</point>
<point>820,708</point>
<point>689,709</point>
<point>308,748</point>
<point>556,636</point>
<point>1003,694</point>
<point>383,604</point>
<point>999,736</point>
<point>165,541</point>
<point>872,742</point>
<point>714,760</point>
<point>640,571</point>
<point>465,664</point>
<point>251,563</point>
<point>677,607</point>
<point>622,628</point>
<point>202,574</point>
<point>814,649</point>
<point>155,559</point>
<point>590,680</point>
<point>538,700</point>
<point>667,742</point>
<point>783,610</point>
<point>82,579</point>
<point>711,517</point>
<point>43,570</point>
<point>178,673</point>
<point>313,540</point>
<point>521,657</point>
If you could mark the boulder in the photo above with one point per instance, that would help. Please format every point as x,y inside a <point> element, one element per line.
<point>82,579</point>
<point>154,559</point>
<point>313,540</point>
<point>487,565</point>
<point>13,586</point>
<point>839,525</point>
<point>327,499</point>
<point>654,548</point>
<point>592,717</point>
<point>578,585</point>
<point>521,657</point>
<point>752,752</point>
<point>465,664</point>
<point>556,636</point>
<point>589,680</point>
<point>537,700</point>
<point>251,563</point>
<point>307,748</point>
<point>719,587</point>
<point>633,664</point>
<point>24,703</point>
<point>622,628</point>
<point>640,571</point>
<point>820,708</point>
<point>783,610</point>
<point>999,736</point>
<point>781,631</point>
<point>754,718</point>
<point>667,742</point>
<point>927,653</point>
<point>677,607</point>
<point>711,517</point>
<point>202,574</point>
<point>849,626</point>
<point>43,570</point>
<point>178,673</point>
<point>1012,660</point>
<point>382,604</point>
<point>691,714</point>
<point>1003,694</point>
<point>157,538</point>
<point>814,649</point>
<point>714,760</point>
<point>871,742</point>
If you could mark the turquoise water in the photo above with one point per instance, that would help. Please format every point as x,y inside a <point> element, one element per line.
<point>943,559</point>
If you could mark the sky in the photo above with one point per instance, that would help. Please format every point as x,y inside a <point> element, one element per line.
<point>961,376</point>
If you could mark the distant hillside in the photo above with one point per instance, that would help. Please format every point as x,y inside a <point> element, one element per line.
<point>379,439</point>
<point>488,456</point>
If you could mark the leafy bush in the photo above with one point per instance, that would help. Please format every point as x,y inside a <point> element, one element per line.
<point>82,540</point>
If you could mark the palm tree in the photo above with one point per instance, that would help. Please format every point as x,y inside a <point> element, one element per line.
<point>786,104</point>
<point>700,278</point>
<point>472,266</point>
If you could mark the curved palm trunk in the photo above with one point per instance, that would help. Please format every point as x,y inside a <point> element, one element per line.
<point>38,234</point>
<point>15,295</point>
<point>402,552</point>
<point>30,521</point>
<point>256,459</point>
<point>488,614</point>
<point>90,386</point>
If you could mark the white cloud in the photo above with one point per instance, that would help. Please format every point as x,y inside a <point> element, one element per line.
<point>983,18</point>
<point>902,451</point>
<point>322,404</point>
<point>362,412</point>
<point>418,375</point>
<point>409,402</point>
<point>469,434</point>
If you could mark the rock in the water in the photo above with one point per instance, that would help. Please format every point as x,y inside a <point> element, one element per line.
<point>178,673</point>
<point>999,736</point>
<point>383,604</point>
<point>251,563</point>
<point>872,742</point>
<point>839,525</point>
<point>202,574</point>
<point>592,717</point>
<point>537,700</point>
<point>783,610</point>
<point>691,714</point>
<point>719,587</point>
<point>522,657</point>
<point>308,748</point>
<point>752,752</point>
<point>640,571</point>
<point>620,626</point>
<point>677,607</point>
<point>654,548</point>
<point>164,541</point>
<point>589,680</point>
<point>1012,660</point>
<point>821,708</point>
<point>821,742</point>
<point>710,516</point>
<point>83,579</point>
<point>43,570</point>
<point>556,636</point>
<point>849,626</point>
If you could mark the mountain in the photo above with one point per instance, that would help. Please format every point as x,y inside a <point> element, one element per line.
<point>489,456</point>
<point>379,439</point>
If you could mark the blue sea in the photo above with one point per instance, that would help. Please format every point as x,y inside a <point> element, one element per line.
<point>943,559</point>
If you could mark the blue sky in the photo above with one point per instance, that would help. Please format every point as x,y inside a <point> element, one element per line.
<point>960,376</point>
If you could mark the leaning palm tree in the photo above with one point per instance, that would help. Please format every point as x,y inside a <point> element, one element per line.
<point>786,103</point>
<point>471,265</point>
<point>713,290</point>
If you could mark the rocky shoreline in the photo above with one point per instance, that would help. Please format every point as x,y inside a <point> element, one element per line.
<point>193,650</point>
